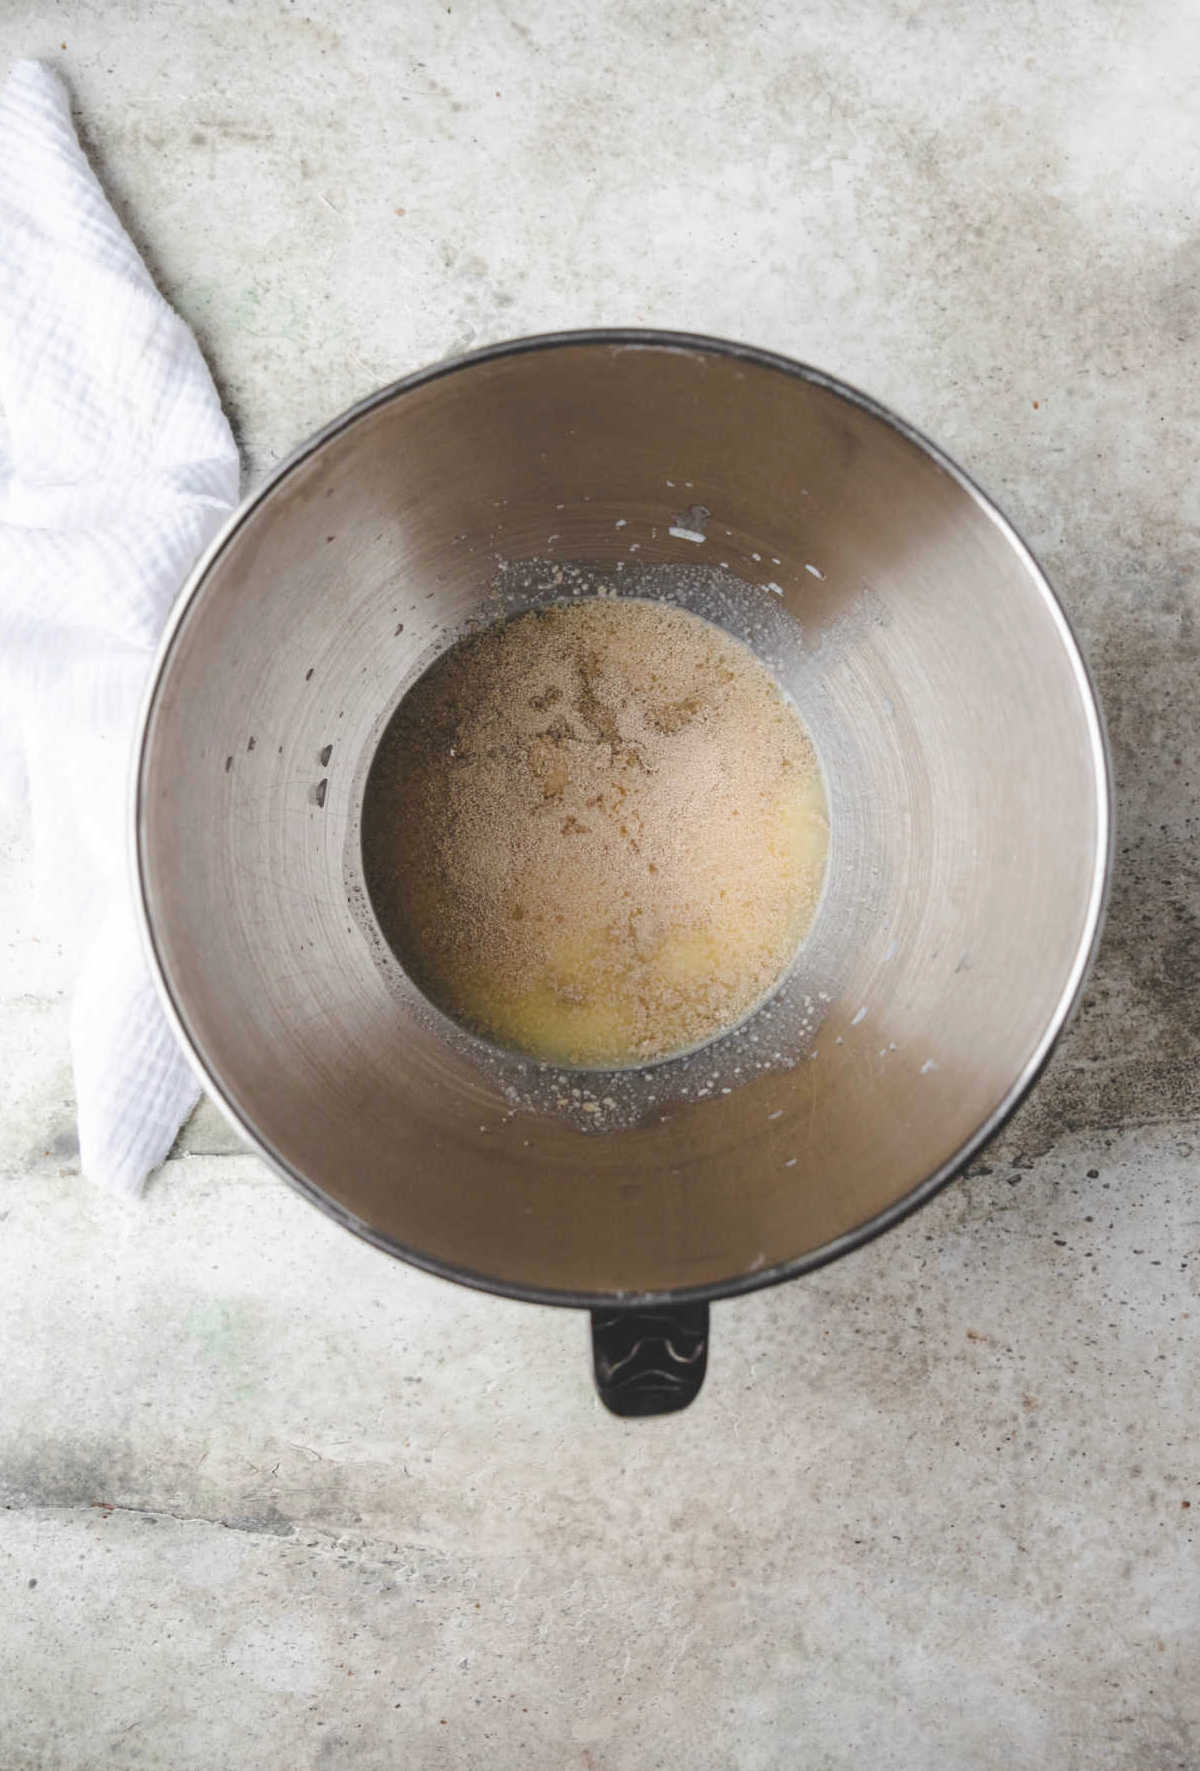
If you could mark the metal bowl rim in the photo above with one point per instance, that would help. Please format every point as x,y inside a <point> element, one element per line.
<point>695,344</point>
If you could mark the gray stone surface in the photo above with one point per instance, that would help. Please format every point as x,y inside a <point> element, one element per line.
<point>287,1503</point>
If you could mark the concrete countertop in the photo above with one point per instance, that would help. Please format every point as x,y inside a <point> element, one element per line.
<point>271,1499</point>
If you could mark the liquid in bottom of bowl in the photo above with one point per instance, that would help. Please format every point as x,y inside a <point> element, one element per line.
<point>596,833</point>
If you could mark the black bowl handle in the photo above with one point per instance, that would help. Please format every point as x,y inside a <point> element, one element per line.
<point>650,1361</point>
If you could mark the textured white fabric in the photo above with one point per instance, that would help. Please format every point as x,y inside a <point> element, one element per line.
<point>116,466</point>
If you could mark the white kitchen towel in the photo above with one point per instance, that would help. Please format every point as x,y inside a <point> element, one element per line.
<point>116,467</point>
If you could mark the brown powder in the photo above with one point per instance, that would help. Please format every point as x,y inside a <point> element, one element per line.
<point>596,832</point>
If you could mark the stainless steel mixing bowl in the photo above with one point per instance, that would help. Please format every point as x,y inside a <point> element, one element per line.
<point>968,790</point>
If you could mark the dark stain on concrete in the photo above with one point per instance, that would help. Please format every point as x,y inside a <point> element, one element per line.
<point>269,1522</point>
